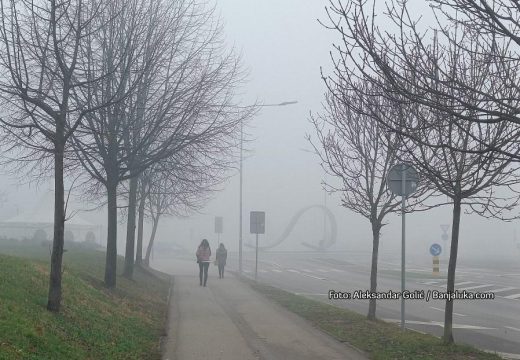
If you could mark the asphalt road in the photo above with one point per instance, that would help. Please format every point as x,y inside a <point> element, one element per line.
<point>493,325</point>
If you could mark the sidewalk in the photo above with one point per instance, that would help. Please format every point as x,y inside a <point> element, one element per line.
<point>227,320</point>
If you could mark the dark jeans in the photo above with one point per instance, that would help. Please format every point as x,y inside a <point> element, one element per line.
<point>203,266</point>
<point>221,270</point>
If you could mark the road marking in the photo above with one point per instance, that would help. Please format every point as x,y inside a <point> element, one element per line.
<point>503,289</point>
<point>437,323</point>
<point>306,270</point>
<point>506,355</point>
<point>434,308</point>
<point>262,271</point>
<point>312,276</point>
<point>293,271</point>
<point>276,270</point>
<point>311,294</point>
<point>431,282</point>
<point>464,283</point>
<point>514,296</point>
<point>512,328</point>
<point>322,270</point>
<point>476,287</point>
<point>337,270</point>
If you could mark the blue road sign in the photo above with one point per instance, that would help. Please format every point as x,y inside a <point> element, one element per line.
<point>435,249</point>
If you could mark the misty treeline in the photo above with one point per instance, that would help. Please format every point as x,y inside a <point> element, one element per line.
<point>134,99</point>
<point>439,91</point>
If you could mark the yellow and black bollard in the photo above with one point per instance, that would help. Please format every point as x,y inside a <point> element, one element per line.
<point>435,265</point>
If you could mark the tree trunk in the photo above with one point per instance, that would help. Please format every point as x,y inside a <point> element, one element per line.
<point>376,229</point>
<point>130,229</point>
<point>142,201</point>
<point>111,258</point>
<point>152,238</point>
<point>450,287</point>
<point>54,299</point>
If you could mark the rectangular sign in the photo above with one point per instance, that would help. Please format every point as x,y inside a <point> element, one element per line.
<point>257,223</point>
<point>219,224</point>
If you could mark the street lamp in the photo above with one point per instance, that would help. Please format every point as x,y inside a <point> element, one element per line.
<point>241,180</point>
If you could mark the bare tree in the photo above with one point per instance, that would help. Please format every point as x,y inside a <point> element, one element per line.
<point>43,62</point>
<point>463,159</point>
<point>355,148</point>
<point>181,83</point>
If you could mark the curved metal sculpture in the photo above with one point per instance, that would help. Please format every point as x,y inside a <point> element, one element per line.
<point>324,243</point>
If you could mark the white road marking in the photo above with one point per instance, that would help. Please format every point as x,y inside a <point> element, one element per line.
<point>311,294</point>
<point>262,271</point>
<point>431,282</point>
<point>476,287</point>
<point>503,289</point>
<point>306,270</point>
<point>512,328</point>
<point>437,323</point>
<point>276,270</point>
<point>293,271</point>
<point>506,355</point>
<point>322,270</point>
<point>434,308</point>
<point>337,270</point>
<point>514,296</point>
<point>314,277</point>
<point>464,283</point>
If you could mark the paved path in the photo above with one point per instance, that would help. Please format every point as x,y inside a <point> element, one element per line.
<point>230,321</point>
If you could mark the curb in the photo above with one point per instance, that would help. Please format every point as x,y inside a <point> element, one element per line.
<point>168,330</point>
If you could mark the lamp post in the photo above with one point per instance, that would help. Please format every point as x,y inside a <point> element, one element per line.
<point>240,268</point>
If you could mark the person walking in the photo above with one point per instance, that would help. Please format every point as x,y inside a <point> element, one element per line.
<point>221,257</point>
<point>203,254</point>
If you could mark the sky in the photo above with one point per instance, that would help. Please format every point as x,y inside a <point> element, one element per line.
<point>283,47</point>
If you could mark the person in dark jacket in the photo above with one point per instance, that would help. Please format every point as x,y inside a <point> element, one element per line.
<point>203,258</point>
<point>221,258</point>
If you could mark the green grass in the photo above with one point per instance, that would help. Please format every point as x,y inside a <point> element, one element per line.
<point>94,322</point>
<point>380,340</point>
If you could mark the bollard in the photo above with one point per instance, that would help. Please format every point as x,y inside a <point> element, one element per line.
<point>435,265</point>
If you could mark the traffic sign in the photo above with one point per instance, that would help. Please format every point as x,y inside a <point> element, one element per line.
<point>435,249</point>
<point>219,224</point>
<point>445,237</point>
<point>397,174</point>
<point>257,222</point>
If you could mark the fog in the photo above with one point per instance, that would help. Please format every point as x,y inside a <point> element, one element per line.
<point>283,46</point>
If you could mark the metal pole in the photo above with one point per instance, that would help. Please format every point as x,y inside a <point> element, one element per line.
<point>403,231</point>
<point>240,200</point>
<point>256,260</point>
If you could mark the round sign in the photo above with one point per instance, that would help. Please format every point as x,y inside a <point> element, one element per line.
<point>399,173</point>
<point>435,249</point>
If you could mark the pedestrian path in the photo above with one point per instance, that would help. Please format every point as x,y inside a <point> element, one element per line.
<point>228,320</point>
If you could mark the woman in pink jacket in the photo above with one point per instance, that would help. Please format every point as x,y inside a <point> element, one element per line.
<point>203,258</point>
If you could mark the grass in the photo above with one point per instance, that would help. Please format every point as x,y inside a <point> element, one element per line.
<point>378,339</point>
<point>94,322</point>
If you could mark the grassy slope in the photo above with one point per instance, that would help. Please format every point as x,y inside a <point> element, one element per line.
<point>94,323</point>
<point>379,339</point>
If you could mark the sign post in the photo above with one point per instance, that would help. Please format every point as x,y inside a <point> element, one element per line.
<point>257,226</point>
<point>445,236</point>
<point>219,226</point>
<point>402,180</point>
